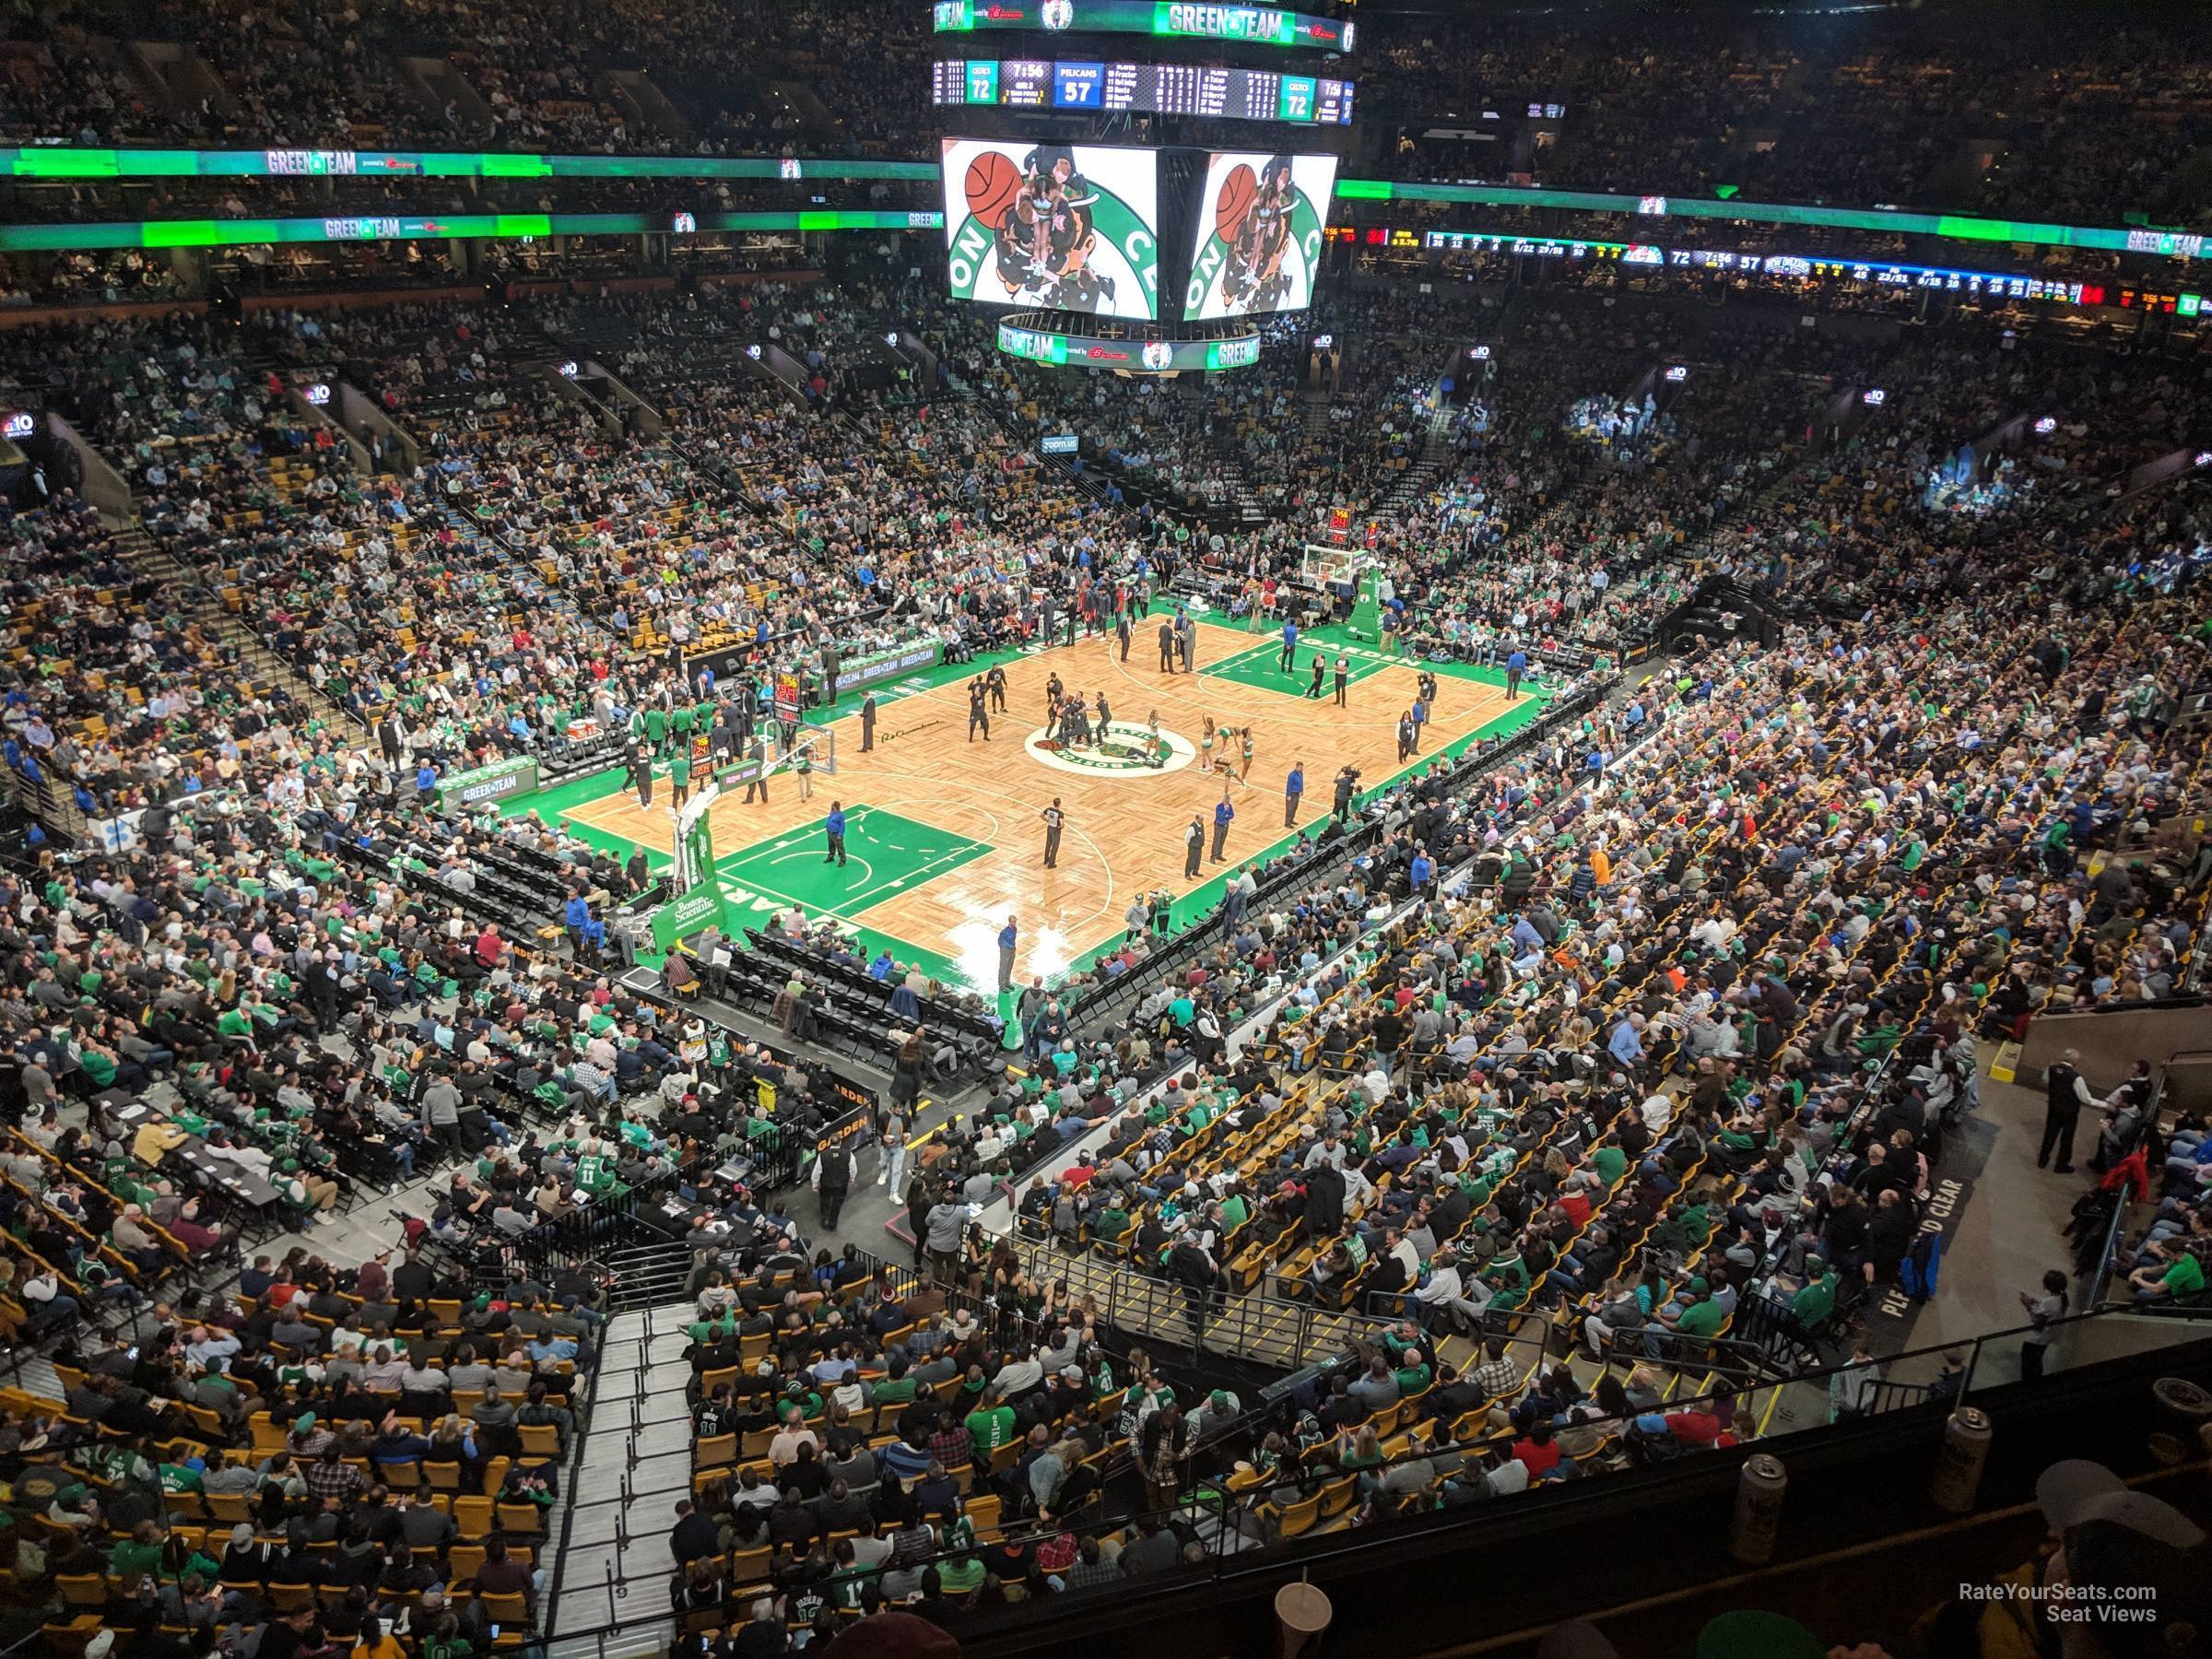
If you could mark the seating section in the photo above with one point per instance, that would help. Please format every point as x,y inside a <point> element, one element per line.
<point>443,1442</point>
<point>894,1469</point>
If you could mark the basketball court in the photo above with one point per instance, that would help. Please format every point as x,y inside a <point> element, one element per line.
<point>944,841</point>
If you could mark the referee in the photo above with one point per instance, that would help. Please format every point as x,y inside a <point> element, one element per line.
<point>1055,821</point>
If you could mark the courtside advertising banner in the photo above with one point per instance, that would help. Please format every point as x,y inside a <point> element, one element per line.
<point>1070,227</point>
<point>1258,247</point>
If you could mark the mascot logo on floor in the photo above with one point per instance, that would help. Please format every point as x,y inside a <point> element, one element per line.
<point>1125,750</point>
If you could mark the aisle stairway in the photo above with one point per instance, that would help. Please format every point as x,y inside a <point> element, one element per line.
<point>207,605</point>
<point>1316,406</point>
<point>610,1535</point>
<point>1415,483</point>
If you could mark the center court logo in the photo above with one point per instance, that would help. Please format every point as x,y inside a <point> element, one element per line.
<point>1129,750</point>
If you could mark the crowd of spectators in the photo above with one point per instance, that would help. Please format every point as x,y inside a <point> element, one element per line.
<point>1643,968</point>
<point>1932,111</point>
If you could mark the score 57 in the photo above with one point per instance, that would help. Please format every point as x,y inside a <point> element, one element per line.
<point>1076,91</point>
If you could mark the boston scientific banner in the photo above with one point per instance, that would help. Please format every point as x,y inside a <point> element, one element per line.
<point>699,901</point>
<point>1068,227</point>
<point>1259,238</point>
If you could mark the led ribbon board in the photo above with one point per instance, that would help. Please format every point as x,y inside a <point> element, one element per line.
<point>1170,20</point>
<point>1881,273</point>
<point>233,233</point>
<point>1059,350</point>
<point>62,162</point>
<point>2167,244</point>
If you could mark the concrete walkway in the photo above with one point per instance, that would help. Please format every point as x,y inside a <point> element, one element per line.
<point>2009,1231</point>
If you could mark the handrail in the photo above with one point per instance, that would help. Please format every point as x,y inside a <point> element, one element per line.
<point>2193,980</point>
<point>52,808</point>
<point>2108,1257</point>
<point>580,1433</point>
<point>1140,1302</point>
<point>2175,999</point>
<point>2101,1282</point>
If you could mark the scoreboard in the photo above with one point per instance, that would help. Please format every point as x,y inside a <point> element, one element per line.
<point>1175,20</point>
<point>1148,88</point>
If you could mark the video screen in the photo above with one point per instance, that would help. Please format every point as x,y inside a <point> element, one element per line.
<point>1072,227</point>
<point>1260,221</point>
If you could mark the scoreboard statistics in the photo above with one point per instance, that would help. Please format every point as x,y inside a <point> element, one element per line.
<point>1147,88</point>
<point>1173,20</point>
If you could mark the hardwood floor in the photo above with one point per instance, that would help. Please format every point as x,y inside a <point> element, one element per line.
<point>1125,823</point>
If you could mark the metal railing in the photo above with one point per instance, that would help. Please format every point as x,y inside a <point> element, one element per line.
<point>2193,980</point>
<point>1248,1324</point>
<point>2108,1255</point>
<point>47,800</point>
<point>580,1433</point>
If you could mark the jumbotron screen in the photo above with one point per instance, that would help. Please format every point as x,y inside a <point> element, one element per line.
<point>1260,233</point>
<point>1070,227</point>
